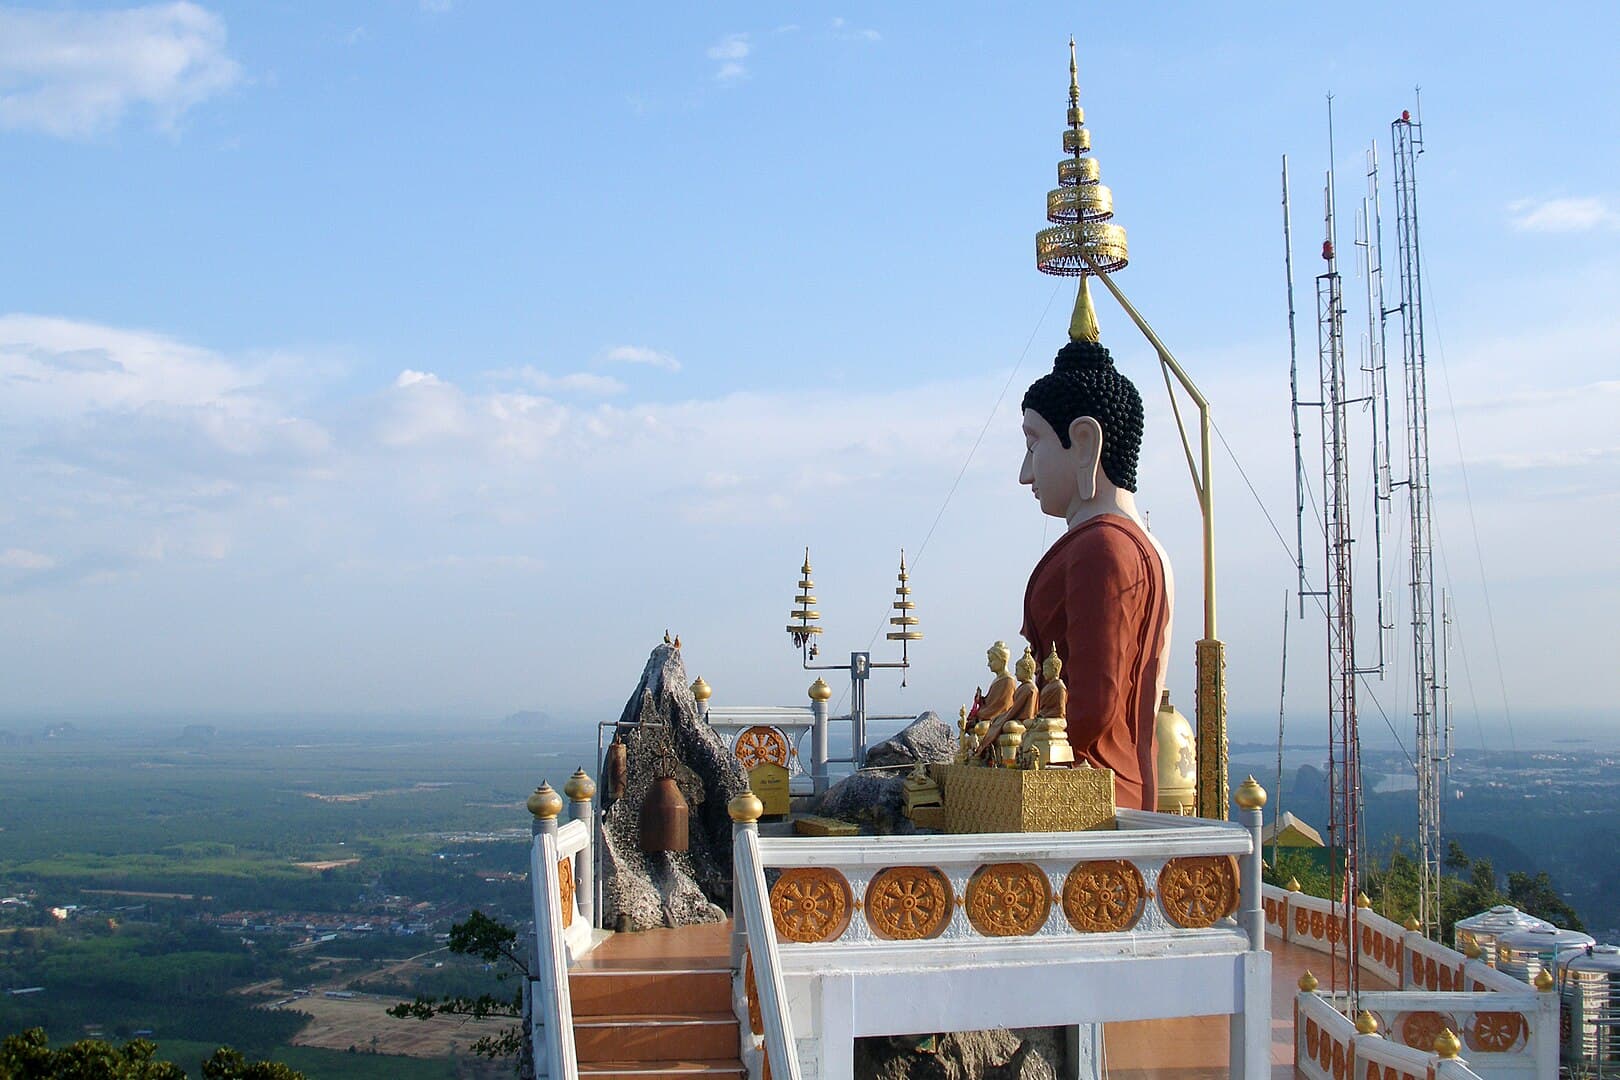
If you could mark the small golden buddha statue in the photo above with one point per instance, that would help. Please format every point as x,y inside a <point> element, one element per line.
<point>1049,733</point>
<point>964,738</point>
<point>994,705</point>
<point>997,701</point>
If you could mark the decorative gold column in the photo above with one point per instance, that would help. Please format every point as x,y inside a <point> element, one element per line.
<point>1214,796</point>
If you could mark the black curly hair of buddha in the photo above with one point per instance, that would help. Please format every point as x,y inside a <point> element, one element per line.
<point>1084,382</point>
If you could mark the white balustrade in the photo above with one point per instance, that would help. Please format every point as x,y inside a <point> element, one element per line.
<point>880,935</point>
<point>1507,1030</point>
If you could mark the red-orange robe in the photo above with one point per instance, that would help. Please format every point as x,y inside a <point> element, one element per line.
<point>1099,595</point>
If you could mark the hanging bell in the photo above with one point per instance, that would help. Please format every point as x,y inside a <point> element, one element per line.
<point>663,817</point>
<point>618,769</point>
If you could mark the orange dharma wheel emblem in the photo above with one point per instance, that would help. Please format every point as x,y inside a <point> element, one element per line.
<point>810,904</point>
<point>761,745</point>
<point>1419,1029</point>
<point>1197,890</point>
<point>1496,1032</point>
<point>908,903</point>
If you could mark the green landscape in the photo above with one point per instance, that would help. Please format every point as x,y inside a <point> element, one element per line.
<point>270,887</point>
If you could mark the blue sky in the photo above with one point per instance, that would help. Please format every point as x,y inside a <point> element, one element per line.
<point>436,356</point>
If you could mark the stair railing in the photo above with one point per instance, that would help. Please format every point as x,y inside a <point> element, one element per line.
<point>755,928</point>
<point>551,1008</point>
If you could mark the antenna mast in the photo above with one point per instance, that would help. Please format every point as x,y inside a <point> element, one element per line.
<point>1432,750</point>
<point>1337,594</point>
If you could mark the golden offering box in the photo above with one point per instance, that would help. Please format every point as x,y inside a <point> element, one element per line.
<point>982,800</point>
<point>814,825</point>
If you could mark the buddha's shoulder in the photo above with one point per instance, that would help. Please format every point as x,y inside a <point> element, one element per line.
<point>1111,538</point>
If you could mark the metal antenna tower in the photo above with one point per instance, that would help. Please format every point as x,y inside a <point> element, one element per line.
<point>1337,594</point>
<point>1370,238</point>
<point>1432,749</point>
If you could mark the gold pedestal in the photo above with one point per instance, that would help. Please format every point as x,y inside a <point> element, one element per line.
<point>980,800</point>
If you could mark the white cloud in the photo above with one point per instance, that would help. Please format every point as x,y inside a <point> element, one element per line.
<point>23,559</point>
<point>77,73</point>
<point>638,354</point>
<point>730,52</point>
<point>577,382</point>
<point>842,29</point>
<point>1585,214</point>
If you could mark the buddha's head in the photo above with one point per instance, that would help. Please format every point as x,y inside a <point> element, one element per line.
<point>1082,431</point>
<point>998,656</point>
<point>1053,667</point>
<point>1026,666</point>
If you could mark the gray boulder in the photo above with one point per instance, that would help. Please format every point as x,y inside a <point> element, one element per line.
<point>870,798</point>
<point>996,1054</point>
<point>670,888</point>
<point>927,739</point>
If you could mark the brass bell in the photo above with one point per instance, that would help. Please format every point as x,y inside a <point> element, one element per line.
<point>618,768</point>
<point>664,817</point>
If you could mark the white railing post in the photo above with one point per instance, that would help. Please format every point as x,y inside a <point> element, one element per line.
<point>745,810</point>
<point>820,692</point>
<point>1251,800</point>
<point>580,790</point>
<point>750,901</point>
<point>551,1037</point>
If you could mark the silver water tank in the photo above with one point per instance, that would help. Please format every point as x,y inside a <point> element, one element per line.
<point>1589,992</point>
<point>1523,953</point>
<point>1487,926</point>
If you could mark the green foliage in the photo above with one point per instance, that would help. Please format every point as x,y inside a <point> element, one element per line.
<point>28,1056</point>
<point>486,939</point>
<point>1468,886</point>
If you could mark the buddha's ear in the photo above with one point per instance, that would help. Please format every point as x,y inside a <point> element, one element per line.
<point>1085,443</point>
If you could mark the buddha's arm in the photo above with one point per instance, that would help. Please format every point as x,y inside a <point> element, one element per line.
<point>1103,620</point>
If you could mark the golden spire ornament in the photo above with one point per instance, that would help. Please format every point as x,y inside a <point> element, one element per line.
<point>1080,209</point>
<point>804,612</point>
<point>904,622</point>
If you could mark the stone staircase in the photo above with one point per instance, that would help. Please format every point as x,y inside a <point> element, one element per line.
<point>657,1006</point>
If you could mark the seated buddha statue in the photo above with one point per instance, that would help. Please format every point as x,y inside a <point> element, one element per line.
<point>996,704</point>
<point>1102,594</point>
<point>1048,736</point>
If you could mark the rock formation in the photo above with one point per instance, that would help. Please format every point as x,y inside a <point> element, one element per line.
<point>997,1054</point>
<point>927,739</point>
<point>669,888</point>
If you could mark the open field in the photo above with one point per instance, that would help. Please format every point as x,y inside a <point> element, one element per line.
<point>339,1023</point>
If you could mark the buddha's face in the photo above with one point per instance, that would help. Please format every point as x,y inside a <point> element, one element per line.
<point>1062,477</point>
<point>1026,670</point>
<point>997,657</point>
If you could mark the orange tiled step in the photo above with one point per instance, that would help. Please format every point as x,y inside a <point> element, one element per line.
<point>656,1037</point>
<point>726,1069</point>
<point>652,990</point>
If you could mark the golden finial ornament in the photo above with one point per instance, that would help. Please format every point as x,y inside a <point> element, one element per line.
<point>1251,796</point>
<point>804,611</point>
<point>1471,947</point>
<point>701,690</point>
<point>545,803</point>
<point>1293,884</point>
<point>1366,1023</point>
<point>1544,980</point>
<point>1308,983</point>
<point>745,807</point>
<point>1446,1044</point>
<point>580,787</point>
<point>1362,901</point>
<point>1081,241</point>
<point>819,690</point>
<point>1412,924</point>
<point>904,619</point>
